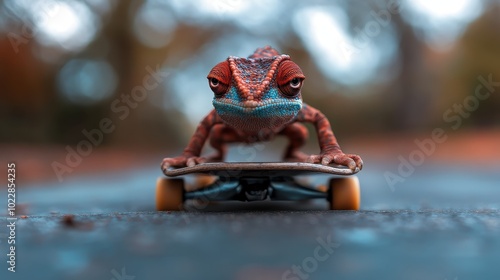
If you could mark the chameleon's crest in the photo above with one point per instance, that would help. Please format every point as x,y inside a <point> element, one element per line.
<point>254,76</point>
<point>266,51</point>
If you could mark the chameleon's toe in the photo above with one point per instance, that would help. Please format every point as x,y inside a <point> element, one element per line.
<point>354,162</point>
<point>357,159</point>
<point>314,159</point>
<point>192,161</point>
<point>181,161</point>
<point>170,162</point>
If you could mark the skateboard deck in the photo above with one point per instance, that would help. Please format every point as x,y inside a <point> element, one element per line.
<point>259,169</point>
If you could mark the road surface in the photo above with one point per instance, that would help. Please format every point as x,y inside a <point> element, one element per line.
<point>440,223</point>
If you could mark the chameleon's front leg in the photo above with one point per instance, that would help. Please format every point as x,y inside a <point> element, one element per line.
<point>191,154</point>
<point>330,149</point>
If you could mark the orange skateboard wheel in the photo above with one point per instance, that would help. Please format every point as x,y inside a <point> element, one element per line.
<point>344,193</point>
<point>169,194</point>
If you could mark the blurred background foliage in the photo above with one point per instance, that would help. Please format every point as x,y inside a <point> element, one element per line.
<point>373,67</point>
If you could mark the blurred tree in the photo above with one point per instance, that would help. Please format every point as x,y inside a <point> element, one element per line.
<point>26,90</point>
<point>476,54</point>
<point>412,90</point>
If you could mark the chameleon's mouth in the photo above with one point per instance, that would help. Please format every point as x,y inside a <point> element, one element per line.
<point>268,108</point>
<point>253,116</point>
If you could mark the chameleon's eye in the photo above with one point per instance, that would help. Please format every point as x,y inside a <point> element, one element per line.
<point>289,78</point>
<point>219,78</point>
<point>295,83</point>
<point>214,82</point>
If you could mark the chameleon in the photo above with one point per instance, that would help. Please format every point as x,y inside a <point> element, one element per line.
<point>256,99</point>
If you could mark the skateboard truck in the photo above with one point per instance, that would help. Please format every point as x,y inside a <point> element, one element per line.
<point>255,189</point>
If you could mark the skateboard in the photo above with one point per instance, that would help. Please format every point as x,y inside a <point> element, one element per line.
<point>258,181</point>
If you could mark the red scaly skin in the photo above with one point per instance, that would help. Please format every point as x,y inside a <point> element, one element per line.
<point>257,90</point>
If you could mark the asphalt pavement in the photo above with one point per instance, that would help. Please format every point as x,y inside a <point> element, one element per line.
<point>442,222</point>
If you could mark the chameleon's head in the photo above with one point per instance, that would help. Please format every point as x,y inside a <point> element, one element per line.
<point>257,93</point>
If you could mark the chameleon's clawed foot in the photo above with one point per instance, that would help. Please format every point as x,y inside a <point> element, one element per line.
<point>352,161</point>
<point>181,161</point>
